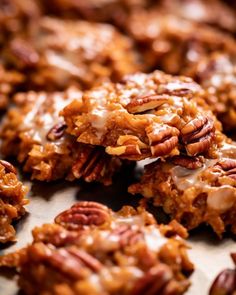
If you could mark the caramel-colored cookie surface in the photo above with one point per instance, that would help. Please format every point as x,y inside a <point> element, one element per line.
<point>92,250</point>
<point>146,115</point>
<point>57,53</point>
<point>170,43</point>
<point>194,190</point>
<point>34,132</point>
<point>12,201</point>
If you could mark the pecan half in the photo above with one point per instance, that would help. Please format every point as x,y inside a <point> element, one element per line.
<point>229,167</point>
<point>24,52</point>
<point>83,213</point>
<point>69,261</point>
<point>188,162</point>
<point>154,281</point>
<point>127,236</point>
<point>225,283</point>
<point>8,166</point>
<point>198,135</point>
<point>145,103</point>
<point>90,164</point>
<point>56,132</point>
<point>162,138</point>
<point>88,260</point>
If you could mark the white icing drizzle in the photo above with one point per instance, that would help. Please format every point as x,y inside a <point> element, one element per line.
<point>39,121</point>
<point>194,10</point>
<point>129,220</point>
<point>220,198</point>
<point>98,120</point>
<point>60,62</point>
<point>228,150</point>
<point>185,178</point>
<point>152,235</point>
<point>74,37</point>
<point>154,239</point>
<point>30,117</point>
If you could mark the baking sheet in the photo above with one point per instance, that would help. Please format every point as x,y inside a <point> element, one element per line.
<point>209,254</point>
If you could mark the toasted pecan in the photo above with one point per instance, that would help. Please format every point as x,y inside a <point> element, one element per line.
<point>83,213</point>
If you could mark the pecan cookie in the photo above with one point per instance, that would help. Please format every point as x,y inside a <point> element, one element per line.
<point>92,250</point>
<point>194,190</point>
<point>12,201</point>
<point>146,115</point>
<point>34,132</point>
<point>56,53</point>
<point>171,44</point>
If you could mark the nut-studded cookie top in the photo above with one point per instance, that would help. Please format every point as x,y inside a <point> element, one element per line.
<point>171,43</point>
<point>92,250</point>
<point>194,190</point>
<point>34,132</point>
<point>217,75</point>
<point>146,115</point>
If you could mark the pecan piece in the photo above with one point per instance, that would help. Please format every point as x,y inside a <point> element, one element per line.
<point>90,164</point>
<point>225,283</point>
<point>69,261</point>
<point>198,135</point>
<point>229,167</point>
<point>83,213</point>
<point>154,281</point>
<point>88,260</point>
<point>188,162</point>
<point>56,132</point>
<point>8,166</point>
<point>162,138</point>
<point>24,52</point>
<point>127,236</point>
<point>145,103</point>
